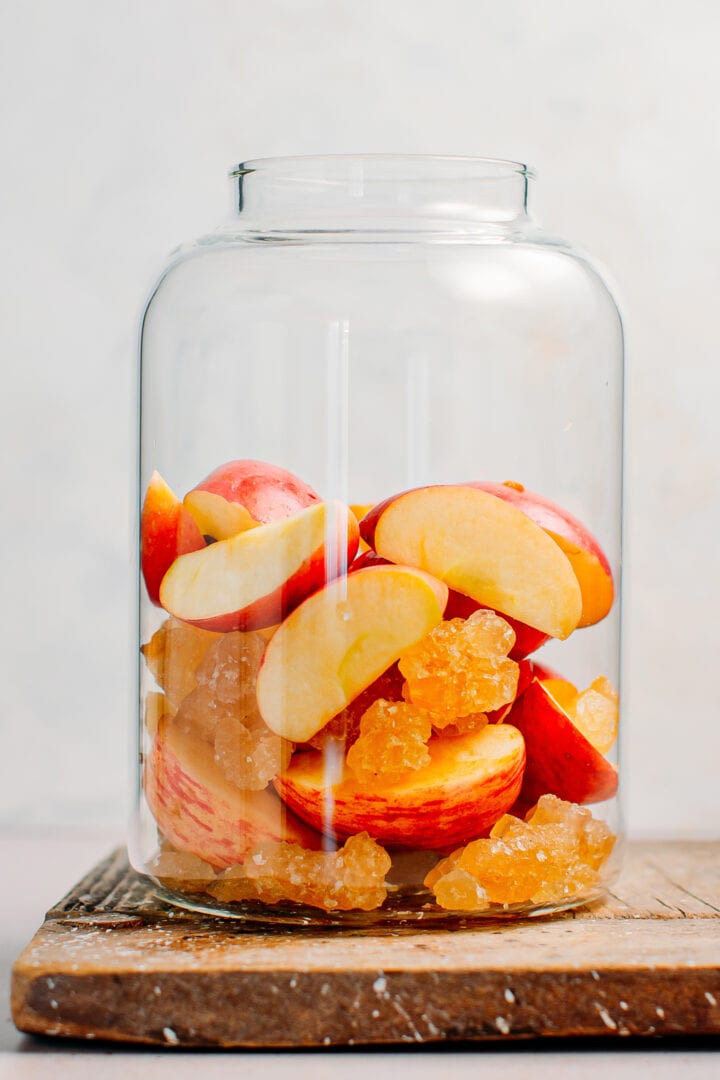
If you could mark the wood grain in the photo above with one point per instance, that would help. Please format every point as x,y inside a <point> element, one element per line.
<point>113,962</point>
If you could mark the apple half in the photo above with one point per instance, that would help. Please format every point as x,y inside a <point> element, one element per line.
<point>242,494</point>
<point>253,579</point>
<point>470,782</point>
<point>200,811</point>
<point>483,547</point>
<point>560,760</point>
<point>587,558</point>
<point>166,531</point>
<point>339,641</point>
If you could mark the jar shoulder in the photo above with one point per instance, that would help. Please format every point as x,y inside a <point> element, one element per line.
<point>528,263</point>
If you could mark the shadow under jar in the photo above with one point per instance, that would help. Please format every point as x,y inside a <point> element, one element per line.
<point>380,509</point>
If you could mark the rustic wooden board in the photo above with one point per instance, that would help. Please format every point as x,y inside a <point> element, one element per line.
<point>113,962</point>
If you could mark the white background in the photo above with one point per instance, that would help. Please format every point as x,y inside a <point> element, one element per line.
<point>118,124</point>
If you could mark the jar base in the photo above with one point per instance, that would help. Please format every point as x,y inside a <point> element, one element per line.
<point>403,906</point>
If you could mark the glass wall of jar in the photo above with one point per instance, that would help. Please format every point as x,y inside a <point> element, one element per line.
<point>380,490</point>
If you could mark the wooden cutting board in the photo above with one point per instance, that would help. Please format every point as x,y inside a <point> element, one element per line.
<point>113,962</point>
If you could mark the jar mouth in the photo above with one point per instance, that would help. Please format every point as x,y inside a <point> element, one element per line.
<point>398,167</point>
<point>344,193</point>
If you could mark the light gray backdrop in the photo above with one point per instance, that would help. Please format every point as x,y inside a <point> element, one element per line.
<point>119,121</point>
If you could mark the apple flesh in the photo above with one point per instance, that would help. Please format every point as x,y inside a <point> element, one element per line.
<point>482,547</point>
<point>344,728</point>
<point>242,494</point>
<point>360,510</point>
<point>253,579</point>
<point>166,531</point>
<point>527,638</point>
<point>339,641</point>
<point>200,811</point>
<point>468,785</point>
<point>587,558</point>
<point>560,760</point>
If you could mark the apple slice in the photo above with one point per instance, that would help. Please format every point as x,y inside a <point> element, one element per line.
<point>217,517</point>
<point>339,641</point>
<point>527,638</point>
<point>483,547</point>
<point>470,782</point>
<point>587,558</point>
<point>255,578</point>
<point>200,811</point>
<point>562,691</point>
<point>560,760</point>
<point>242,494</point>
<point>361,509</point>
<point>166,531</point>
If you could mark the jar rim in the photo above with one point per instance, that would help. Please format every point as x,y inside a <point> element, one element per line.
<point>386,166</point>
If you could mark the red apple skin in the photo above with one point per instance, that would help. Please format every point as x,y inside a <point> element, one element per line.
<point>201,812</point>
<point>560,760</point>
<point>272,608</point>
<point>266,491</point>
<point>459,606</point>
<point>166,531</point>
<point>543,672</point>
<point>582,549</point>
<point>442,804</point>
<point>367,558</point>
<point>368,524</point>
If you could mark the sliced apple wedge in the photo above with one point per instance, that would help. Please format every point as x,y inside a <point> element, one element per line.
<point>200,811</point>
<point>216,516</point>
<point>470,782</point>
<point>587,558</point>
<point>255,578</point>
<point>166,531</point>
<point>560,760</point>
<point>485,548</point>
<point>339,641</point>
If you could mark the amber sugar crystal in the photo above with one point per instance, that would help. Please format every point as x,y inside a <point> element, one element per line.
<point>222,711</point>
<point>181,870</point>
<point>462,667</point>
<point>173,654</point>
<point>459,725</point>
<point>156,706</point>
<point>229,668</point>
<point>392,742</point>
<point>344,728</point>
<point>553,856</point>
<point>595,712</point>
<point>351,878</point>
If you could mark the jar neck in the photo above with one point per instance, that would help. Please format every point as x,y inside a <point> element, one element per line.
<point>377,193</point>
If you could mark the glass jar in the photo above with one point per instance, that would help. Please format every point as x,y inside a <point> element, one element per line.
<point>380,489</point>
